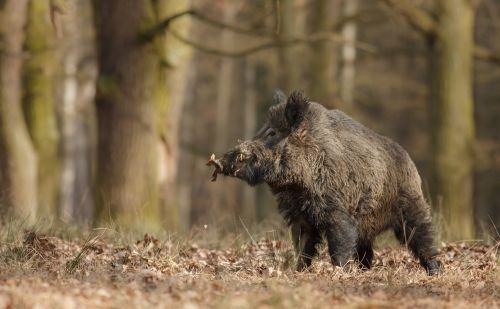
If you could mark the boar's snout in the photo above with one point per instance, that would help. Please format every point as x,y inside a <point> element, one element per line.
<point>231,162</point>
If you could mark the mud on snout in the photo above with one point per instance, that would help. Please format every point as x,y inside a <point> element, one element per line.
<point>230,164</point>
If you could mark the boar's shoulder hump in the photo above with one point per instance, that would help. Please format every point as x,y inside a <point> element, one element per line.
<point>341,121</point>
<point>348,130</point>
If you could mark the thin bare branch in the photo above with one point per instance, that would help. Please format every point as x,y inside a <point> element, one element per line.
<point>164,24</point>
<point>416,17</point>
<point>279,42</point>
<point>361,16</point>
<point>426,24</point>
<point>213,22</point>
<point>485,54</point>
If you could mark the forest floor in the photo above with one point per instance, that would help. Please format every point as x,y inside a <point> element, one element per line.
<point>50,270</point>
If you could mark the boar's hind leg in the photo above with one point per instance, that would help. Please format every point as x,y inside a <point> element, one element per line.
<point>342,237</point>
<point>414,230</point>
<point>305,238</point>
<point>364,253</point>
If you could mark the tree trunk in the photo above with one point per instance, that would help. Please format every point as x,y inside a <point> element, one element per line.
<point>39,103</point>
<point>323,54</point>
<point>220,195</point>
<point>454,116</point>
<point>130,89</point>
<point>186,158</point>
<point>18,158</point>
<point>178,56</point>
<point>289,62</point>
<point>78,66</point>
<point>348,72</point>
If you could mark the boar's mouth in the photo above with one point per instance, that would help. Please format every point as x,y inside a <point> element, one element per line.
<point>229,165</point>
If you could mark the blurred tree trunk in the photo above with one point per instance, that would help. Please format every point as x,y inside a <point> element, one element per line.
<point>223,101</point>
<point>186,158</point>
<point>78,66</point>
<point>453,115</point>
<point>289,62</point>
<point>18,158</point>
<point>39,103</point>
<point>131,89</point>
<point>323,55</point>
<point>451,40</point>
<point>348,71</point>
<point>178,56</point>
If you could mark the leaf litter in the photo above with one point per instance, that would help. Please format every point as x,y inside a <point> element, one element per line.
<point>45,272</point>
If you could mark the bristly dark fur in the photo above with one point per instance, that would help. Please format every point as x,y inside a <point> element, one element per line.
<point>335,179</point>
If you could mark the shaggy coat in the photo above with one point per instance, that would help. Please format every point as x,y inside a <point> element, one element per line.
<point>334,179</point>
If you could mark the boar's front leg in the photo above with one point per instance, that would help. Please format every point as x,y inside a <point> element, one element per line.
<point>342,238</point>
<point>305,238</point>
<point>364,253</point>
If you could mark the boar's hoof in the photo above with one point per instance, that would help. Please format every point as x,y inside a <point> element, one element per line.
<point>433,267</point>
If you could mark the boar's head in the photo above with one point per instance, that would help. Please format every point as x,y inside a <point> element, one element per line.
<point>273,155</point>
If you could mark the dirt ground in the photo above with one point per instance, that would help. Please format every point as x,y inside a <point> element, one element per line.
<point>42,271</point>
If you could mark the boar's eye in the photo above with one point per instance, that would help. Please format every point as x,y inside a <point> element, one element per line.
<point>270,132</point>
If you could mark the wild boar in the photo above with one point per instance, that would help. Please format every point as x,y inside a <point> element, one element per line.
<point>335,179</point>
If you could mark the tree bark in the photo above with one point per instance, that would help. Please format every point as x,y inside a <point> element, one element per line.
<point>18,158</point>
<point>453,114</point>
<point>39,103</point>
<point>130,89</point>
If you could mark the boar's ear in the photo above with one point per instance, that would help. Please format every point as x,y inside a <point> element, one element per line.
<point>296,108</point>
<point>279,97</point>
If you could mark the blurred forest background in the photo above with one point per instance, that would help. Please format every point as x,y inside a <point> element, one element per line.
<point>110,109</point>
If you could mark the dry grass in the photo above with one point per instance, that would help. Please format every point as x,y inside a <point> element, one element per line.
<point>50,269</point>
